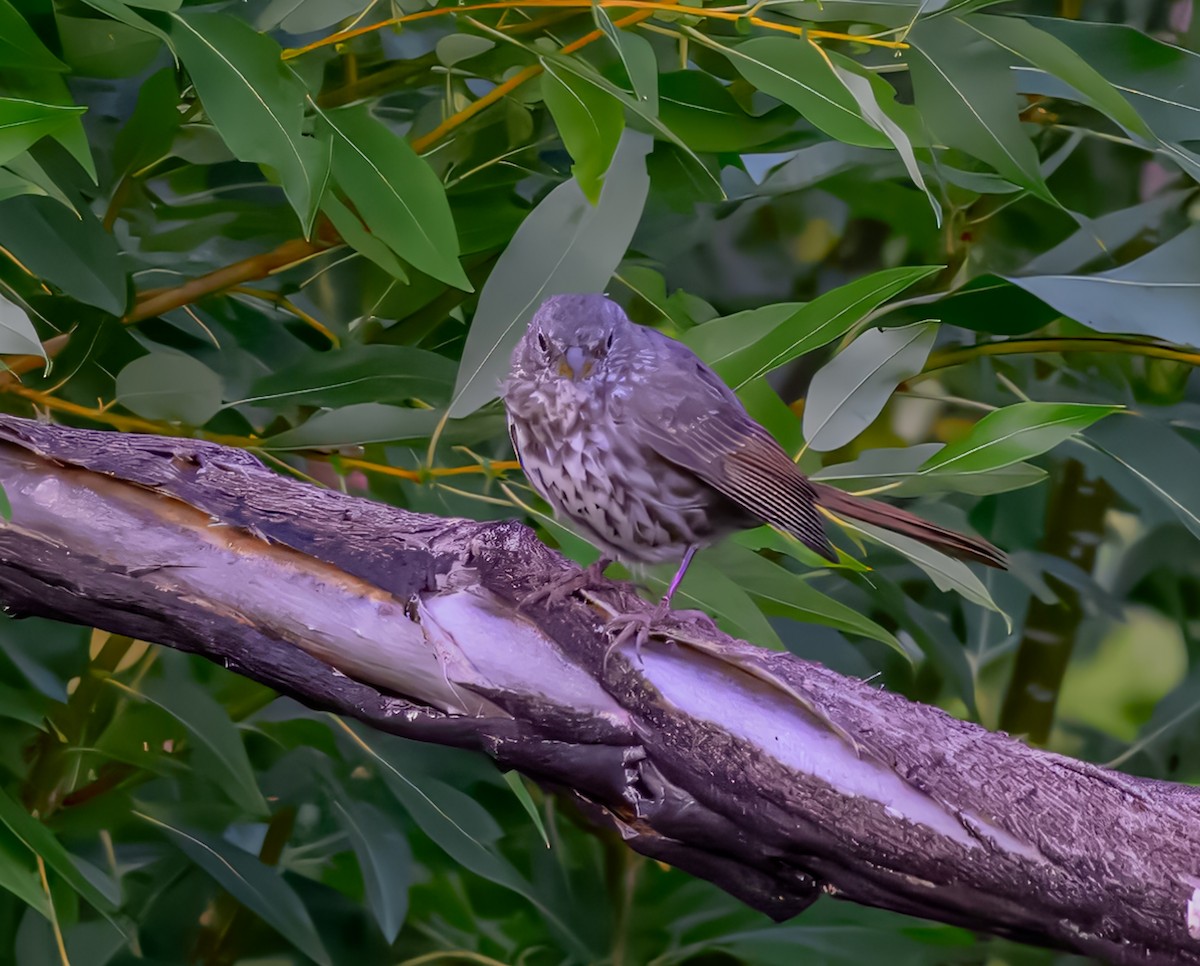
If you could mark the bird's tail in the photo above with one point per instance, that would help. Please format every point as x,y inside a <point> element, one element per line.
<point>901,521</point>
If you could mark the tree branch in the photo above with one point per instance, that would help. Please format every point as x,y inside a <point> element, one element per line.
<point>772,777</point>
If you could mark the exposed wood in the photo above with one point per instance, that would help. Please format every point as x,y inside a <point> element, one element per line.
<point>772,777</point>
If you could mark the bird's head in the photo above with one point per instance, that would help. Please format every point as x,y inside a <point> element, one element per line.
<point>577,338</point>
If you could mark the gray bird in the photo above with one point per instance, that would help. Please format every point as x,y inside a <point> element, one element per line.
<point>644,451</point>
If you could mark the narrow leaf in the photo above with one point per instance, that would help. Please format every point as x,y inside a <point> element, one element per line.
<point>1013,434</point>
<point>946,572</point>
<point>17,334</point>
<point>253,99</point>
<point>850,391</point>
<point>384,859</point>
<point>564,245</point>
<point>965,93</point>
<point>258,887</point>
<point>170,386</point>
<point>797,73</point>
<point>818,323</point>
<point>588,120</point>
<point>396,193</point>
<point>637,56</point>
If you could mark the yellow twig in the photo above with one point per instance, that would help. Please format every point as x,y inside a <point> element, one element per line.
<point>58,936</point>
<point>946,358</point>
<point>650,6</point>
<point>287,305</point>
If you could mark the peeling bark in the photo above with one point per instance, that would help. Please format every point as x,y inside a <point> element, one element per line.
<point>772,777</point>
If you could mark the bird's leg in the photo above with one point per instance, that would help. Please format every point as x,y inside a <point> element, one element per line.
<point>638,626</point>
<point>562,588</point>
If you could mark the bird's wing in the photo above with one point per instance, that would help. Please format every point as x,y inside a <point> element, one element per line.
<point>684,412</point>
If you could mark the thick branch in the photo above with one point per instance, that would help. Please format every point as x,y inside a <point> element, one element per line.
<point>772,777</point>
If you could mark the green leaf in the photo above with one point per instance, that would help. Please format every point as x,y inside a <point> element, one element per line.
<point>588,120</point>
<point>708,587</point>
<point>352,230</point>
<point>452,820</point>
<point>170,386</point>
<point>1158,80</point>
<point>875,97</point>
<point>703,180</point>
<point>637,56</point>
<point>564,245</point>
<point>396,193</point>
<point>818,323</point>
<point>305,16</point>
<point>254,100</point>
<point>850,391</point>
<point>35,836</point>
<point>517,784</point>
<point>72,251</point>
<point>1157,294</point>
<point>20,47</point>
<point>785,594</point>
<point>18,873</point>
<point>357,374</point>
<point>1160,461</point>
<point>964,92</point>
<point>151,128</point>
<point>1015,433</point>
<point>23,123</point>
<point>899,469</point>
<point>210,728</point>
<point>455,48</point>
<point>384,859</point>
<point>258,887</point>
<point>796,72</point>
<point>946,572</point>
<point>717,339</point>
<point>17,334</point>
<point>1046,52</point>
<point>358,425</point>
<point>702,113</point>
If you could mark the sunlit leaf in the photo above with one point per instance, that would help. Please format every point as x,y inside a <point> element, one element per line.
<point>17,334</point>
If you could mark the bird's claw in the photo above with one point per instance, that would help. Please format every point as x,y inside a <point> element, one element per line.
<point>559,590</point>
<point>638,626</point>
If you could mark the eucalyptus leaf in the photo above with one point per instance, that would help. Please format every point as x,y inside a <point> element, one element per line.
<point>946,572</point>
<point>254,100</point>
<point>17,334</point>
<point>384,858</point>
<point>564,245</point>
<point>850,391</point>
<point>818,323</point>
<point>396,193</point>
<point>588,120</point>
<point>170,386</point>
<point>1013,434</point>
<point>257,886</point>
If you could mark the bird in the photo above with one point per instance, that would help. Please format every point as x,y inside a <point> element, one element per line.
<point>642,449</point>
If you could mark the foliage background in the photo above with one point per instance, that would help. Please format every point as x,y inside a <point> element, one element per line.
<point>313,228</point>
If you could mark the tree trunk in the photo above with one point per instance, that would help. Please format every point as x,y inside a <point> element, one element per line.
<point>772,777</point>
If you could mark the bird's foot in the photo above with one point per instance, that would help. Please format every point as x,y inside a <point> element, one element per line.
<point>559,590</point>
<point>638,627</point>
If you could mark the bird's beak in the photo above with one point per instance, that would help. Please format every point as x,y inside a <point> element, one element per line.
<point>575,365</point>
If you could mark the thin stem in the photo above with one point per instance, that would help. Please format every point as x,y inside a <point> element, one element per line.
<point>946,358</point>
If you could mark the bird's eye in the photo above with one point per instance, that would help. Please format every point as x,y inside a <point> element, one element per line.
<point>608,341</point>
<point>542,343</point>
